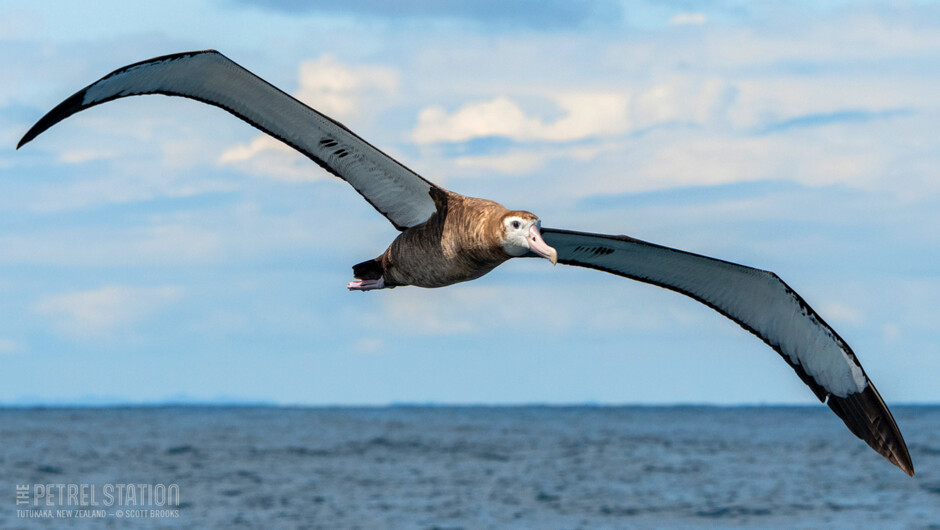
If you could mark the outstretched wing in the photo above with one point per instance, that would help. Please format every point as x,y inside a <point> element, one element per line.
<point>764,305</point>
<point>208,76</point>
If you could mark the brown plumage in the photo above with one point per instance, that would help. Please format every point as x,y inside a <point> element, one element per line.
<point>461,241</point>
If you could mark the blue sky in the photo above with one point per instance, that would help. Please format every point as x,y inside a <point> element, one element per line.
<point>154,248</point>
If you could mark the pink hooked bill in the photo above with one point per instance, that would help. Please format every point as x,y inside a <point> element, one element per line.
<point>538,246</point>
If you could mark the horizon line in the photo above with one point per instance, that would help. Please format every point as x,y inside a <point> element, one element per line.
<point>249,403</point>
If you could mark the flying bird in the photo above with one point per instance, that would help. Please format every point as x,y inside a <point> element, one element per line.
<point>448,238</point>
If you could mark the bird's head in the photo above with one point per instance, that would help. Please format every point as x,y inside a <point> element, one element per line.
<point>521,235</point>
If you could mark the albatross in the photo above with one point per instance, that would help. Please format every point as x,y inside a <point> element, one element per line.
<point>448,238</point>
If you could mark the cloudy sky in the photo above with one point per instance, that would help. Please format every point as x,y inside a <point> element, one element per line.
<point>157,249</point>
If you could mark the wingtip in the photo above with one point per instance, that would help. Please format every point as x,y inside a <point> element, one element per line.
<point>25,139</point>
<point>909,471</point>
<point>28,137</point>
<point>902,459</point>
<point>867,416</point>
<point>904,462</point>
<point>63,110</point>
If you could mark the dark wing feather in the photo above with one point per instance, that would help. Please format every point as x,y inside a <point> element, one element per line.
<point>208,76</point>
<point>764,305</point>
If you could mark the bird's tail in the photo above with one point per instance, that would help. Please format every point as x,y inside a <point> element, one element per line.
<point>368,270</point>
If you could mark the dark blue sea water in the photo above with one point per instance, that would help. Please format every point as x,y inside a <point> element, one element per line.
<point>465,467</point>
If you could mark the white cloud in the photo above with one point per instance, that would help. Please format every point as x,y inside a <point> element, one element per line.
<point>243,152</point>
<point>497,117</point>
<point>831,100</point>
<point>837,312</point>
<point>688,19</point>
<point>585,114</point>
<point>861,35</point>
<point>682,99</point>
<point>694,131</point>
<point>522,161</point>
<point>672,158</point>
<point>268,156</point>
<point>589,114</point>
<point>341,91</point>
<point>510,163</point>
<point>101,311</point>
<point>764,102</point>
<point>80,156</point>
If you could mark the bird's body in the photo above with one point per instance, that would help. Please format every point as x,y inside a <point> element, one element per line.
<point>448,238</point>
<point>461,241</point>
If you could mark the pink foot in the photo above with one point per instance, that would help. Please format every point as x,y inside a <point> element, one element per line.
<point>366,285</point>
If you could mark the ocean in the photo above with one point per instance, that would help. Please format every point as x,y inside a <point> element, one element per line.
<point>460,467</point>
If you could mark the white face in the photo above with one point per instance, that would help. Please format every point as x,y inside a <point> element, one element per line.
<point>516,241</point>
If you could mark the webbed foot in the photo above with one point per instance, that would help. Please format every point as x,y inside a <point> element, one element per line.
<point>366,285</point>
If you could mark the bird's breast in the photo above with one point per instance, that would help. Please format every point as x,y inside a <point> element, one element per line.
<point>441,252</point>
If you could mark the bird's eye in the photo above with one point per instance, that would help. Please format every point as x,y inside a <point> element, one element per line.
<point>515,224</point>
